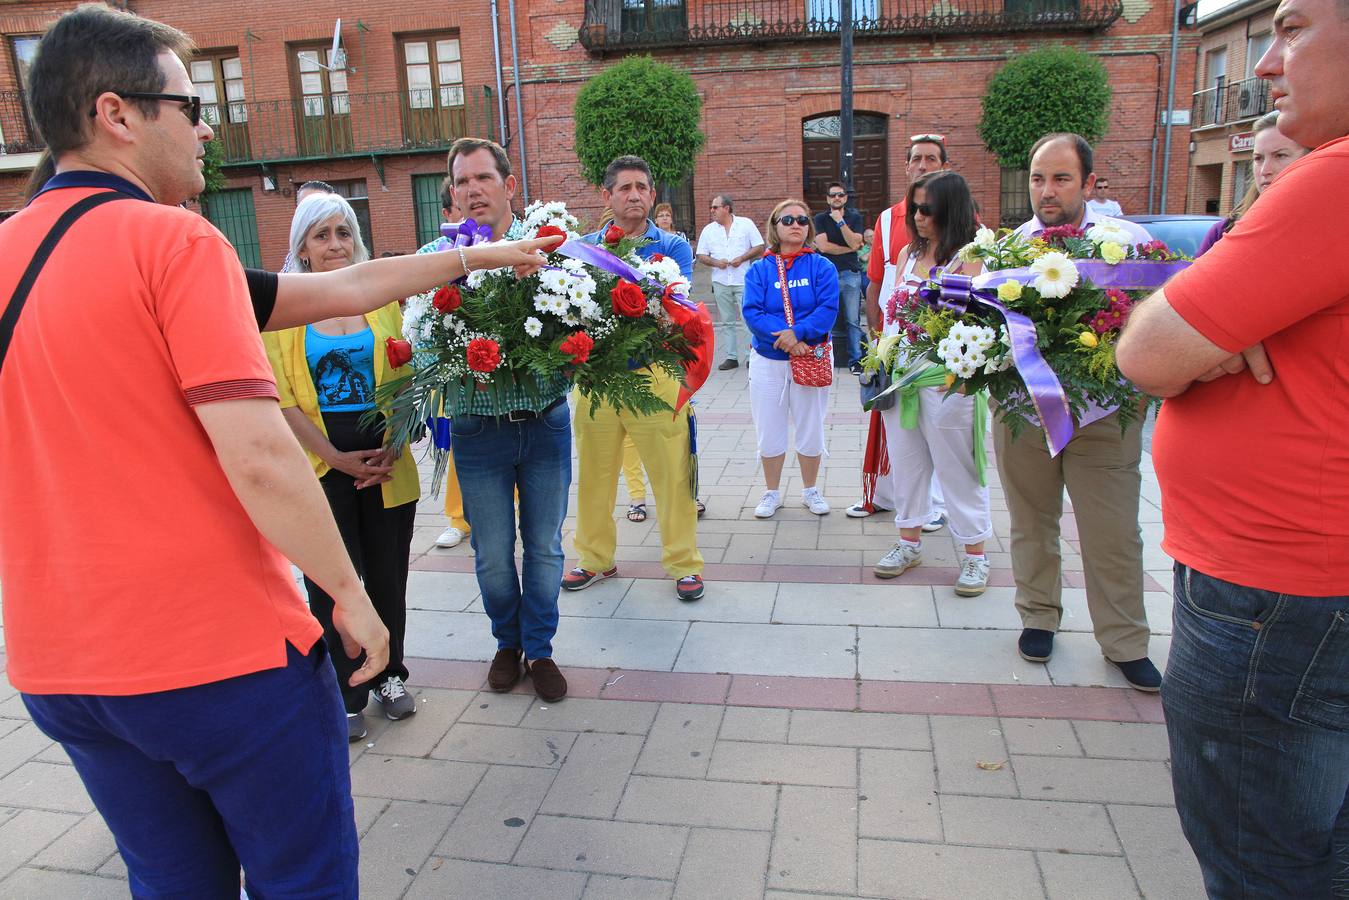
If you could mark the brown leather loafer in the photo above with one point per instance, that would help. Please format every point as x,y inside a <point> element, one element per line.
<point>549,684</point>
<point>505,670</point>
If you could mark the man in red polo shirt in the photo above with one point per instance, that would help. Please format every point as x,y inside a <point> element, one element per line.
<point>170,655</point>
<point>1251,347</point>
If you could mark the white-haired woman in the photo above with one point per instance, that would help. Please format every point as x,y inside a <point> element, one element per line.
<point>327,374</point>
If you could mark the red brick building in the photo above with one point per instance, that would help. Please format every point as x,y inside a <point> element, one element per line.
<point>416,77</point>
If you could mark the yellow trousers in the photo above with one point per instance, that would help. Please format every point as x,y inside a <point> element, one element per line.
<point>662,442</point>
<point>454,501</point>
<point>632,472</point>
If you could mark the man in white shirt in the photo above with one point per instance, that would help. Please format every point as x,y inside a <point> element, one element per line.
<point>1099,467</point>
<point>728,244</point>
<point>1100,201</point>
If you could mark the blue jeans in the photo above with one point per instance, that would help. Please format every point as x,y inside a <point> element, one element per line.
<point>496,458</point>
<point>850,307</point>
<point>198,781</point>
<point>1257,710</point>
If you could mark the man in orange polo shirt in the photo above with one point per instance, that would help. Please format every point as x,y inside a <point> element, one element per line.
<point>1250,346</point>
<point>171,656</point>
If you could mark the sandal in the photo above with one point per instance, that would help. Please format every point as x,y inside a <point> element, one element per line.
<point>702,507</point>
<point>636,512</point>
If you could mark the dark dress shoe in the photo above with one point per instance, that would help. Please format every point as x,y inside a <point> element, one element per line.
<point>728,364</point>
<point>1035,644</point>
<point>549,684</point>
<point>1141,674</point>
<point>505,670</point>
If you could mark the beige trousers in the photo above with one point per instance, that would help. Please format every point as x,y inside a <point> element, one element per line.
<point>1099,467</point>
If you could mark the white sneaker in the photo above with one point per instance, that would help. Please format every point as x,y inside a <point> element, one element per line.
<point>901,558</point>
<point>811,500</point>
<point>450,537</point>
<point>771,503</point>
<point>973,576</point>
<point>936,524</point>
<point>860,510</point>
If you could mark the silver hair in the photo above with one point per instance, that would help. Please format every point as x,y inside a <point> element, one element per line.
<point>313,210</point>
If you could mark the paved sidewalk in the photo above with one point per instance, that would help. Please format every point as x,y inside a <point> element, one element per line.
<point>806,730</point>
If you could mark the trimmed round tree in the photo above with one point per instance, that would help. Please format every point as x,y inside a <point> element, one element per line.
<point>1043,91</point>
<point>644,108</point>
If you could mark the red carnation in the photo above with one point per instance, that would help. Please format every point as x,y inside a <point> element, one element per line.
<point>613,234</point>
<point>399,352</point>
<point>579,346</point>
<point>483,355</point>
<point>550,231</point>
<point>694,332</point>
<point>628,299</point>
<point>447,299</point>
<point>657,257</point>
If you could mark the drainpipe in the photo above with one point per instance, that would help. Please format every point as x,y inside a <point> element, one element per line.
<point>1170,103</point>
<point>496,55</point>
<point>520,106</point>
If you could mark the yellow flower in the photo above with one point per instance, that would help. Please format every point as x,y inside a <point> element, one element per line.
<point>950,380</point>
<point>1112,252</point>
<point>1087,339</point>
<point>1009,291</point>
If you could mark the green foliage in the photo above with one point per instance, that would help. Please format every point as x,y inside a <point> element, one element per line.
<point>1043,91</point>
<point>211,170</point>
<point>640,107</point>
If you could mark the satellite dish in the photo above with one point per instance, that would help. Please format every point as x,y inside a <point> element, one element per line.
<point>337,56</point>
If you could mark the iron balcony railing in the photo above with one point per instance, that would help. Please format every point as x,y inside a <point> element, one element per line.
<point>1234,102</point>
<point>617,25</point>
<point>17,134</point>
<point>319,127</point>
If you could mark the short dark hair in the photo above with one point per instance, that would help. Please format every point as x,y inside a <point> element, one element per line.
<point>92,50</point>
<point>928,139</point>
<point>321,186</point>
<point>466,145</point>
<point>626,164</point>
<point>447,193</point>
<point>953,210</point>
<point>835,184</point>
<point>726,201</point>
<point>1086,159</point>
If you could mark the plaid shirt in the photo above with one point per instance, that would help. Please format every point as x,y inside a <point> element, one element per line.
<point>482,403</point>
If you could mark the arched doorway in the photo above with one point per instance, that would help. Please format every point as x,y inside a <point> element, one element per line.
<point>820,161</point>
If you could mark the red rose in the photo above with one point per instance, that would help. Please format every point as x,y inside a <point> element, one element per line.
<point>550,231</point>
<point>447,299</point>
<point>483,355</point>
<point>628,299</point>
<point>399,352</point>
<point>694,332</point>
<point>657,257</point>
<point>579,346</point>
<point>613,234</point>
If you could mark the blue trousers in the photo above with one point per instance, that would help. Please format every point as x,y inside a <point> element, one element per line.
<point>850,308</point>
<point>1257,711</point>
<point>196,782</point>
<point>496,458</point>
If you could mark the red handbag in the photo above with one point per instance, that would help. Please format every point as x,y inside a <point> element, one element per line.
<point>815,368</point>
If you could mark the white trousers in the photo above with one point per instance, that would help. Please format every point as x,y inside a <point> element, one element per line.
<point>774,400</point>
<point>942,444</point>
<point>885,494</point>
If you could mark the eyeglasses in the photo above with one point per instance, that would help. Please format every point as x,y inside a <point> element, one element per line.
<point>925,209</point>
<point>927,138</point>
<point>833,194</point>
<point>1103,185</point>
<point>803,221</point>
<point>191,105</point>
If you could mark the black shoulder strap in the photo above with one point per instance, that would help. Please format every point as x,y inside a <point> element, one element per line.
<point>16,302</point>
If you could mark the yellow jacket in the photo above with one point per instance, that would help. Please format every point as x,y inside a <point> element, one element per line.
<point>295,386</point>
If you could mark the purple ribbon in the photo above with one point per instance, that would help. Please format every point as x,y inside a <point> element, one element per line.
<point>464,234</point>
<point>608,262</point>
<point>963,294</point>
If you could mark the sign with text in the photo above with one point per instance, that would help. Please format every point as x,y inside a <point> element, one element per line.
<point>1241,143</point>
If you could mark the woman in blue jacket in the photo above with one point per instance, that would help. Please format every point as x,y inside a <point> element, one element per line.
<point>812,287</point>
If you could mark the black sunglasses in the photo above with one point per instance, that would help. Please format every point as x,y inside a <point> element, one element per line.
<point>803,221</point>
<point>191,105</point>
<point>838,193</point>
<point>925,209</point>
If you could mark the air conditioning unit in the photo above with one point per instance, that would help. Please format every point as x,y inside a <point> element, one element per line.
<point>1249,102</point>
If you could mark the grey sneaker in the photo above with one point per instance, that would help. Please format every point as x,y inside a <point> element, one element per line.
<point>355,727</point>
<point>901,558</point>
<point>973,576</point>
<point>394,697</point>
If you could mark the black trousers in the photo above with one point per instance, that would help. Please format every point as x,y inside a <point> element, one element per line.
<point>378,541</point>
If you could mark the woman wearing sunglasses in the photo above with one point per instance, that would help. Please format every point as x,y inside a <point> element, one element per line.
<point>812,291</point>
<point>941,430</point>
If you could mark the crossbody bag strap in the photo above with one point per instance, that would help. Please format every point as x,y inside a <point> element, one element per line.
<point>786,300</point>
<point>10,319</point>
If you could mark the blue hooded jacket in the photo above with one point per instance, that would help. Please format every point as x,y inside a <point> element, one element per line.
<point>812,284</point>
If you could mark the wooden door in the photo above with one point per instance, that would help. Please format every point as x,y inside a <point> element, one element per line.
<point>820,162</point>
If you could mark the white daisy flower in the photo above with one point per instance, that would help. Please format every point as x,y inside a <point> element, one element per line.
<point>1056,275</point>
<point>533,327</point>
